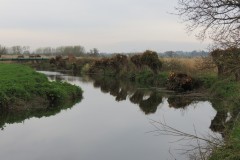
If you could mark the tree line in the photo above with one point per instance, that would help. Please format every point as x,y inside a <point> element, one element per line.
<point>77,50</point>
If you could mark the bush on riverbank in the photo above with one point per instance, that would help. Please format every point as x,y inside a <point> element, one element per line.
<point>21,86</point>
<point>224,89</point>
<point>122,66</point>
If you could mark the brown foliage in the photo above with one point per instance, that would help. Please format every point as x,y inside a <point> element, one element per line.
<point>180,82</point>
<point>179,101</point>
<point>115,63</point>
<point>71,58</point>
<point>52,61</point>
<point>136,59</point>
<point>59,62</point>
<point>148,58</point>
<point>34,56</point>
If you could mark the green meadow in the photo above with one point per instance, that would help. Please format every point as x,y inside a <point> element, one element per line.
<point>22,87</point>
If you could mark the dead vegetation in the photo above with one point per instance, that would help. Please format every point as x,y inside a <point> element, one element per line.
<point>191,66</point>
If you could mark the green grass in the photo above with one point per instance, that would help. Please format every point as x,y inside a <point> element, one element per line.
<point>21,83</point>
<point>231,149</point>
<point>227,94</point>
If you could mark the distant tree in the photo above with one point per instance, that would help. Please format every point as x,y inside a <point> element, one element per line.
<point>17,50</point>
<point>39,51</point>
<point>94,52</point>
<point>216,19</point>
<point>60,50</point>
<point>3,50</point>
<point>75,50</point>
<point>25,50</point>
<point>78,50</point>
<point>170,54</point>
<point>47,50</point>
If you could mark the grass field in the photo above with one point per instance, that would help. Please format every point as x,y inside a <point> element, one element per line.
<point>22,85</point>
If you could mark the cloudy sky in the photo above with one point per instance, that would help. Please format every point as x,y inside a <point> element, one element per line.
<point>109,25</point>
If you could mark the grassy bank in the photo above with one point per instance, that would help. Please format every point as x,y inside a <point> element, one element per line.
<point>226,91</point>
<point>223,92</point>
<point>22,88</point>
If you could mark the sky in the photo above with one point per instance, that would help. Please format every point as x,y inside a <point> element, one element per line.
<point>109,25</point>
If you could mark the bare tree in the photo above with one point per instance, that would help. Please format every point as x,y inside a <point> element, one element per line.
<point>3,50</point>
<point>218,20</point>
<point>16,49</point>
<point>94,52</point>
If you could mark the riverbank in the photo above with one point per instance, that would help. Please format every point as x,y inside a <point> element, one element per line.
<point>224,91</point>
<point>23,89</point>
<point>227,92</point>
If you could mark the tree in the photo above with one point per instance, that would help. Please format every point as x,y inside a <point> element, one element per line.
<point>47,50</point>
<point>170,54</point>
<point>3,50</point>
<point>17,49</point>
<point>94,52</point>
<point>78,50</point>
<point>75,50</point>
<point>218,20</point>
<point>25,50</point>
<point>227,62</point>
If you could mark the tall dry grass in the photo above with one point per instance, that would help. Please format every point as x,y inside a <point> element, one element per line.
<point>192,66</point>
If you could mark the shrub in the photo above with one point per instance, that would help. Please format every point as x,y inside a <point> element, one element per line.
<point>136,60</point>
<point>150,59</point>
<point>180,82</point>
<point>110,65</point>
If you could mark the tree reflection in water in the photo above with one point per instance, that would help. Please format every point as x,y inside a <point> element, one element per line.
<point>122,90</point>
<point>126,89</point>
<point>180,102</point>
<point>12,116</point>
<point>148,100</point>
<point>225,116</point>
<point>150,105</point>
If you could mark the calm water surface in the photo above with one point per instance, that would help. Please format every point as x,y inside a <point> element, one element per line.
<point>112,122</point>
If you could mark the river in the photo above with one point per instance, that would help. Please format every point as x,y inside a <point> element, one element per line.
<point>114,121</point>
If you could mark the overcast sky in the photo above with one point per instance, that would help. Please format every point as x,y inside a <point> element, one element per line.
<point>109,25</point>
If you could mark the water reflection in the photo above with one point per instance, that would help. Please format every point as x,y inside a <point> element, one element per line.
<point>225,116</point>
<point>127,90</point>
<point>149,100</point>
<point>110,123</point>
<point>10,117</point>
<point>180,101</point>
<point>218,124</point>
<point>18,116</point>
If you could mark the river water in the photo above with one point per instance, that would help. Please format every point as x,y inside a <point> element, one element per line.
<point>114,121</point>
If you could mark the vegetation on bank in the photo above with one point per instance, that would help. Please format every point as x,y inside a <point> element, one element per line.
<point>215,76</point>
<point>23,88</point>
<point>227,93</point>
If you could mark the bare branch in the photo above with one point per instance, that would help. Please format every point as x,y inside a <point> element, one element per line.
<point>217,19</point>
